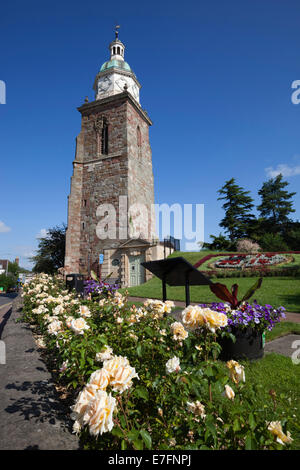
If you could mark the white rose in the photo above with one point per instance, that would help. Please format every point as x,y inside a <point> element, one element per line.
<point>173,365</point>
<point>237,371</point>
<point>100,378</point>
<point>193,316</point>
<point>178,330</point>
<point>105,354</point>
<point>84,397</point>
<point>69,320</point>
<point>99,413</point>
<point>79,325</point>
<point>122,378</point>
<point>229,393</point>
<point>113,364</point>
<point>196,408</point>
<point>58,310</point>
<point>84,311</point>
<point>54,327</point>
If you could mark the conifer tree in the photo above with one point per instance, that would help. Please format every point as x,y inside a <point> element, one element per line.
<point>238,205</point>
<point>276,204</point>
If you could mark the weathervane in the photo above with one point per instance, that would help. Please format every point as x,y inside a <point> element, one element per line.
<point>116,31</point>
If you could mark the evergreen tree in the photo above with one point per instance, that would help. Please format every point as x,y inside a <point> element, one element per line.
<point>220,243</point>
<point>237,208</point>
<point>51,251</point>
<point>276,204</point>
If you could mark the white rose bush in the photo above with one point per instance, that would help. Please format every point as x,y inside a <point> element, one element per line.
<point>138,379</point>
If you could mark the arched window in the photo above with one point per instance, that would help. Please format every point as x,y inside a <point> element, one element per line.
<point>139,140</point>
<point>104,139</point>
<point>118,50</point>
<point>138,136</point>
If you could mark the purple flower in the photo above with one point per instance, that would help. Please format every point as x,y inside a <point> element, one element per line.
<point>256,316</point>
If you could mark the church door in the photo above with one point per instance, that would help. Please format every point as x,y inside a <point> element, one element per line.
<point>137,272</point>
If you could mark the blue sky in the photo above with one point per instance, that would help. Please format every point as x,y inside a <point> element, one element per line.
<point>216,80</point>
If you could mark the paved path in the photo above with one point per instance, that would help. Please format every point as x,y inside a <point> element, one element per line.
<point>5,309</point>
<point>290,316</point>
<point>284,345</point>
<point>31,414</point>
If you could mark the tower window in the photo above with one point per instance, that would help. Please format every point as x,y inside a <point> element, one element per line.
<point>104,139</point>
<point>118,50</point>
<point>139,139</point>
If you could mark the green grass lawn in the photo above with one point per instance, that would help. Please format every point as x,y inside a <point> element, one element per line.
<point>277,291</point>
<point>280,374</point>
<point>282,329</point>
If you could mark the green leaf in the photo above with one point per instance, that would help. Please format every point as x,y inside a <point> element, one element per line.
<point>123,445</point>
<point>209,372</point>
<point>94,276</point>
<point>236,425</point>
<point>123,421</point>
<point>139,350</point>
<point>142,392</point>
<point>138,444</point>
<point>250,443</point>
<point>117,432</point>
<point>146,438</point>
<point>150,331</point>
<point>252,422</point>
<point>133,434</point>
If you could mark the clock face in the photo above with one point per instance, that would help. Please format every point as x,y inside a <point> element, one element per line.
<point>104,84</point>
<point>135,91</point>
<point>121,82</point>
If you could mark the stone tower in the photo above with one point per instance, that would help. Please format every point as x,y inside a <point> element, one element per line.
<point>110,206</point>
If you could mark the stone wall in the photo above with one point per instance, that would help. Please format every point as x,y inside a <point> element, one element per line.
<point>99,179</point>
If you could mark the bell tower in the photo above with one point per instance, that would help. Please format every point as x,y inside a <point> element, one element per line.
<point>112,195</point>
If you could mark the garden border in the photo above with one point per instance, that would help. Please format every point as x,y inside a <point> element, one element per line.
<point>216,255</point>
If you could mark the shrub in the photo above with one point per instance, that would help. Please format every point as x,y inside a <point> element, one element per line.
<point>247,246</point>
<point>7,281</point>
<point>273,242</point>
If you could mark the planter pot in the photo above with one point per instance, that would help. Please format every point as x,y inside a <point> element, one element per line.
<point>248,345</point>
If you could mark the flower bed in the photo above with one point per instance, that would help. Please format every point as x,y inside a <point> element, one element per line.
<point>208,257</point>
<point>142,380</point>
<point>243,261</point>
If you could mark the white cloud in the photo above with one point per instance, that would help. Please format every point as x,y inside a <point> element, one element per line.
<point>283,169</point>
<point>4,228</point>
<point>42,233</point>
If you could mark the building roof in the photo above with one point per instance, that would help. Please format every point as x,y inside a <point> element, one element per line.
<point>115,63</point>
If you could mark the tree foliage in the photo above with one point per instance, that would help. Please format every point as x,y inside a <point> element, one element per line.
<point>220,243</point>
<point>276,204</point>
<point>238,205</point>
<point>50,254</point>
<point>272,229</point>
